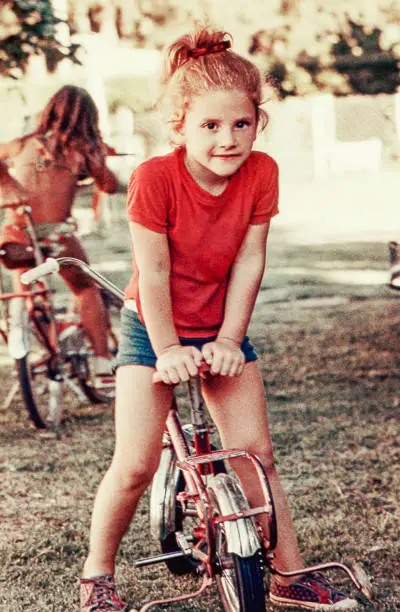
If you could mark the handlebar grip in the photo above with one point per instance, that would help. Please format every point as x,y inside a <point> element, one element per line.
<point>47,267</point>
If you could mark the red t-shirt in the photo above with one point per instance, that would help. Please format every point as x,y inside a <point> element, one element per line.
<point>205,231</point>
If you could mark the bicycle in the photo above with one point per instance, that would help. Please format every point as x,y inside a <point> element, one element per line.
<point>394,262</point>
<point>199,512</point>
<point>50,348</point>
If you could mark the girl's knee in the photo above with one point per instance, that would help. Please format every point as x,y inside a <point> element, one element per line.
<point>267,458</point>
<point>269,463</point>
<point>262,452</point>
<point>133,476</point>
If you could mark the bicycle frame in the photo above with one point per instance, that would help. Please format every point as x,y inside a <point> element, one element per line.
<point>242,539</point>
<point>19,350</point>
<point>199,464</point>
<point>394,261</point>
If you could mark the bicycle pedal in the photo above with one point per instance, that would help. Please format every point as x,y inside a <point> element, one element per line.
<point>183,543</point>
<point>159,558</point>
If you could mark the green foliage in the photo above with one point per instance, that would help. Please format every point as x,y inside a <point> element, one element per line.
<point>30,28</point>
<point>335,46</point>
<point>338,54</point>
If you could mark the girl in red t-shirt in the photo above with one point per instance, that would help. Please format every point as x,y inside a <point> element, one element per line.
<point>199,220</point>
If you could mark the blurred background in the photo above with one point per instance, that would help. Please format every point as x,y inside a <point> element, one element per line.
<point>331,74</point>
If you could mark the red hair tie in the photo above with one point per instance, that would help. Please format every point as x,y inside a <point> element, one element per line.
<point>206,49</point>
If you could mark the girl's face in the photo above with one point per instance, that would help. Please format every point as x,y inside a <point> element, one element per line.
<point>218,133</point>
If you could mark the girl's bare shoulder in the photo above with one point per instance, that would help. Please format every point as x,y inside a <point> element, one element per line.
<point>12,148</point>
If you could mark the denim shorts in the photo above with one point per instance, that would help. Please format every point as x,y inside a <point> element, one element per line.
<point>135,347</point>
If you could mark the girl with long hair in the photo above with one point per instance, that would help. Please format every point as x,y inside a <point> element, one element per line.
<point>66,146</point>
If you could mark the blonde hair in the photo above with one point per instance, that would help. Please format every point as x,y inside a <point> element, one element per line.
<point>201,62</point>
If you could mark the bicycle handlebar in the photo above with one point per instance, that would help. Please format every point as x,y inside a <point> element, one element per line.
<point>47,267</point>
<point>54,265</point>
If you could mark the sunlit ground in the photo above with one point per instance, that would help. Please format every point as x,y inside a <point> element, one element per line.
<point>356,207</point>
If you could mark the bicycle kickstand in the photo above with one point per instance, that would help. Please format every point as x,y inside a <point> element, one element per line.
<point>206,582</point>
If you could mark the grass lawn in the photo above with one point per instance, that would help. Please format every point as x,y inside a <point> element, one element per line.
<point>329,352</point>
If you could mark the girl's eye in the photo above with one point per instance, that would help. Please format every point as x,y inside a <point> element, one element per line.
<point>243,123</point>
<point>211,125</point>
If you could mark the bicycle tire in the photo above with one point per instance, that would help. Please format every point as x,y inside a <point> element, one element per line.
<point>174,483</point>
<point>240,580</point>
<point>33,371</point>
<point>38,371</point>
<point>250,591</point>
<point>27,394</point>
<point>182,565</point>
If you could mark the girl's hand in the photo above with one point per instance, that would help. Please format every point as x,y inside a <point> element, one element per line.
<point>224,357</point>
<point>109,150</point>
<point>178,363</point>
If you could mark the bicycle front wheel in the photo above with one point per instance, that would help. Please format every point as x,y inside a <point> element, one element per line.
<point>240,577</point>
<point>51,380</point>
<point>167,514</point>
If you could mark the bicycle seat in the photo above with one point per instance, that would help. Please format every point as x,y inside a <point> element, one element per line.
<point>14,205</point>
<point>16,250</point>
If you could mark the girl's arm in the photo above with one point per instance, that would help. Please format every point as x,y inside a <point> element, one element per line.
<point>153,262</point>
<point>224,354</point>
<point>244,283</point>
<point>175,363</point>
<point>10,149</point>
<point>104,178</point>
<point>11,191</point>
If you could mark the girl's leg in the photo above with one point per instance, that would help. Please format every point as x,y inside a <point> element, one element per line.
<point>238,408</point>
<point>141,412</point>
<point>90,302</point>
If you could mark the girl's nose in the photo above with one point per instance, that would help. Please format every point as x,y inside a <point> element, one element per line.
<point>227,138</point>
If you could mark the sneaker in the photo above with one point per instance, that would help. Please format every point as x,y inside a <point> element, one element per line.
<point>104,376</point>
<point>99,594</point>
<point>104,382</point>
<point>312,591</point>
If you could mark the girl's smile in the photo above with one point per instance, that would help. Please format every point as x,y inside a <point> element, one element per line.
<point>218,133</point>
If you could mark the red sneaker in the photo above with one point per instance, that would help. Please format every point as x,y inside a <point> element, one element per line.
<point>99,594</point>
<point>311,591</point>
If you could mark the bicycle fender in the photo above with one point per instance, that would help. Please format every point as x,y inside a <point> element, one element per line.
<point>164,489</point>
<point>18,346</point>
<point>241,534</point>
<point>162,496</point>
